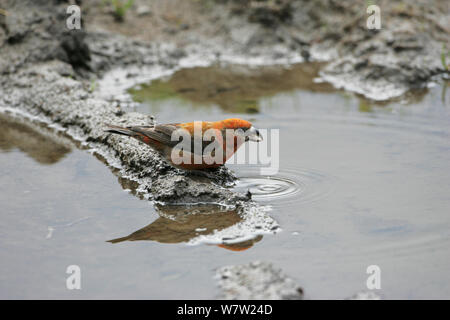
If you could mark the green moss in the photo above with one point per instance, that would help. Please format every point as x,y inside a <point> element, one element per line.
<point>121,8</point>
<point>364,106</point>
<point>157,90</point>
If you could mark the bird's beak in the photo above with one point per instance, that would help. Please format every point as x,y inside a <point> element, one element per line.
<point>253,134</point>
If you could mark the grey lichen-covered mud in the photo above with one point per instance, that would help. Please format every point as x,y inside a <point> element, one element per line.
<point>263,281</point>
<point>379,64</point>
<point>256,280</point>
<point>405,53</point>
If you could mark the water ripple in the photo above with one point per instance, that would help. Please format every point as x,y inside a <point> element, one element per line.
<point>291,186</point>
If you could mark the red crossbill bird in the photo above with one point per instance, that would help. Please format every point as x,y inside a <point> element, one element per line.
<point>196,151</point>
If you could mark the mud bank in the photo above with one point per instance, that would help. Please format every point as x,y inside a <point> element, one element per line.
<point>405,53</point>
<point>379,64</point>
<point>256,280</point>
<point>260,280</point>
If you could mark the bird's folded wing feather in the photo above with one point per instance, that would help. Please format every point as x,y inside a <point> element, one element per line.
<point>161,133</point>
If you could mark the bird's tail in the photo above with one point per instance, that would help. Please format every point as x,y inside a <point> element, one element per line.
<point>119,239</point>
<point>120,130</point>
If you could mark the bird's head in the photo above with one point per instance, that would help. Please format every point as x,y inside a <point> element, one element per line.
<point>244,127</point>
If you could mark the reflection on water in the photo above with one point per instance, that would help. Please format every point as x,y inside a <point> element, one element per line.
<point>178,224</point>
<point>182,223</point>
<point>233,88</point>
<point>24,136</point>
<point>240,89</point>
<point>241,246</point>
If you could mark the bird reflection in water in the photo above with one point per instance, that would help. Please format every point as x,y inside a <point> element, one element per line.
<point>178,224</point>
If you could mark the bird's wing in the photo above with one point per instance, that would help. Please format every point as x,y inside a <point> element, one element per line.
<point>161,133</point>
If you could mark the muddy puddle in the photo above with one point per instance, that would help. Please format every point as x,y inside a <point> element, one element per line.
<point>358,184</point>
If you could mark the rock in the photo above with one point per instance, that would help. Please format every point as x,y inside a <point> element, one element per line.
<point>36,32</point>
<point>270,13</point>
<point>256,280</point>
<point>143,10</point>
